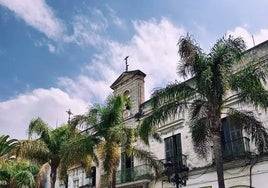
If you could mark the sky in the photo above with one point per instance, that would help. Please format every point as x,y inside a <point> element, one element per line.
<point>61,55</point>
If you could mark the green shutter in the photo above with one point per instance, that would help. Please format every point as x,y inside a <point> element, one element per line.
<point>179,148</point>
<point>123,167</point>
<point>173,147</point>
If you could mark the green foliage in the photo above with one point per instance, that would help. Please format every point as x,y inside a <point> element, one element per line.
<point>7,145</point>
<point>108,134</point>
<point>217,79</point>
<point>46,146</point>
<point>18,173</point>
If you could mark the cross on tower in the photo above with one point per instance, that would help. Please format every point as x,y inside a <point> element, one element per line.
<point>126,63</point>
<point>69,114</point>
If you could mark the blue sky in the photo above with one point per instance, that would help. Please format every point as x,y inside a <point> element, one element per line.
<point>57,55</point>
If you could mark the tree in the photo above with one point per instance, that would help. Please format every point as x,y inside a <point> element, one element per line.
<point>46,146</point>
<point>13,172</point>
<point>18,173</point>
<point>108,134</point>
<point>217,79</point>
<point>6,145</point>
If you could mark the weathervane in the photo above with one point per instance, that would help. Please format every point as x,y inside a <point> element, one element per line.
<point>126,63</point>
<point>69,113</point>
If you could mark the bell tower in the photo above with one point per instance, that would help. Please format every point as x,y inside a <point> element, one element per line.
<point>130,84</point>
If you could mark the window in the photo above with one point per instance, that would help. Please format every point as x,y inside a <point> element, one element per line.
<point>92,176</point>
<point>126,112</point>
<point>173,148</point>
<point>75,172</point>
<point>127,167</point>
<point>76,183</point>
<point>232,140</point>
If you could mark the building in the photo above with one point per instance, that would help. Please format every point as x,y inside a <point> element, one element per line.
<point>242,166</point>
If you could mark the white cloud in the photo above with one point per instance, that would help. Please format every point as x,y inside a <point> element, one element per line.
<point>51,48</point>
<point>152,49</point>
<point>85,31</point>
<point>49,104</point>
<point>259,36</point>
<point>36,14</point>
<point>115,19</point>
<point>86,88</point>
<point>89,29</point>
<point>46,43</point>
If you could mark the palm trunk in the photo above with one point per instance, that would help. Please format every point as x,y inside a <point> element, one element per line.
<point>113,180</point>
<point>113,183</point>
<point>53,175</point>
<point>218,159</point>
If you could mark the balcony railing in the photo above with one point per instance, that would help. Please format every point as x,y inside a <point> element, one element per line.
<point>235,148</point>
<point>133,174</point>
<point>180,160</point>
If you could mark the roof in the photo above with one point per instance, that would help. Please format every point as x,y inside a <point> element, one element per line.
<point>124,74</point>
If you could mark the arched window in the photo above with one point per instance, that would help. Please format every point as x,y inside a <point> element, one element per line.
<point>127,107</point>
<point>127,93</point>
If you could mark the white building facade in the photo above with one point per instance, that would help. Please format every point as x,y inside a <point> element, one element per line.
<point>243,167</point>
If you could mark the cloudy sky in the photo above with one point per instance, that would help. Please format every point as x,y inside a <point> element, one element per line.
<point>60,55</point>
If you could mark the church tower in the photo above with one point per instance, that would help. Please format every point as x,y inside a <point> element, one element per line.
<point>130,84</point>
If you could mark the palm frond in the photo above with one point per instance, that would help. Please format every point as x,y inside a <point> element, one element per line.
<point>148,158</point>
<point>201,136</point>
<point>165,103</point>
<point>24,178</point>
<point>7,145</point>
<point>190,53</point>
<point>4,177</point>
<point>112,113</point>
<point>198,109</point>
<point>39,128</point>
<point>227,51</point>
<point>248,83</point>
<point>174,91</point>
<point>109,153</point>
<point>33,150</point>
<point>88,119</point>
<point>157,136</point>
<point>255,128</point>
<point>150,123</point>
<point>80,148</point>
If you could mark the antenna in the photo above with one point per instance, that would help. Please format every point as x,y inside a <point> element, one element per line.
<point>57,121</point>
<point>253,40</point>
<point>126,62</point>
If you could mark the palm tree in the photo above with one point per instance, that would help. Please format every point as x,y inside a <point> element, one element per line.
<point>217,79</point>
<point>47,147</point>
<point>14,173</point>
<point>6,145</point>
<point>18,173</point>
<point>109,136</point>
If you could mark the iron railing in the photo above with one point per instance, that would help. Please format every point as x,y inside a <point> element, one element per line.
<point>180,160</point>
<point>143,172</point>
<point>133,174</point>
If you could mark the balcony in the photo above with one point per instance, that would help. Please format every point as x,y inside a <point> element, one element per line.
<point>180,160</point>
<point>142,172</point>
<point>235,148</point>
<point>175,170</point>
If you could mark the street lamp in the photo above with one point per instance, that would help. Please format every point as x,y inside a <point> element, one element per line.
<point>175,169</point>
<point>176,172</point>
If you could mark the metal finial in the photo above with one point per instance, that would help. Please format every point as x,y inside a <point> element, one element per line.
<point>126,63</point>
<point>69,114</point>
